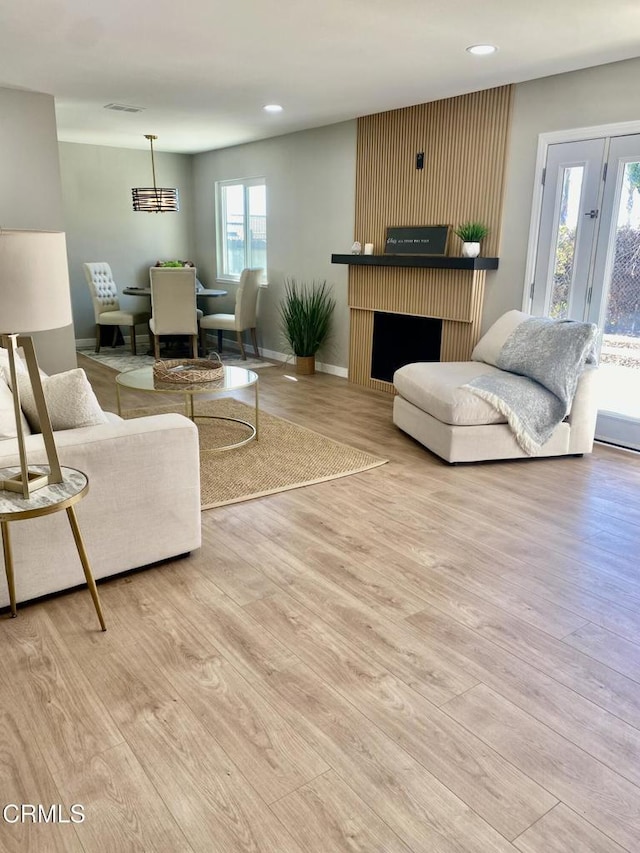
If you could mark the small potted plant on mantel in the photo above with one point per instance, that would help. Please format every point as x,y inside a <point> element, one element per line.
<point>305,317</point>
<point>471,233</point>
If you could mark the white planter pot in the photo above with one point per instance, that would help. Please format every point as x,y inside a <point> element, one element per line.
<point>470,250</point>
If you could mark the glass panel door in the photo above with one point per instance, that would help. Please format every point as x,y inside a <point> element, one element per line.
<point>572,188</point>
<point>588,265</point>
<point>566,236</point>
<point>615,298</point>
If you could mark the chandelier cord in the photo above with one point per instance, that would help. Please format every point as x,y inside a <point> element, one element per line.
<point>150,137</point>
<point>153,166</point>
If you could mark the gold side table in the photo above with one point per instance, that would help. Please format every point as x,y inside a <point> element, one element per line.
<point>45,501</point>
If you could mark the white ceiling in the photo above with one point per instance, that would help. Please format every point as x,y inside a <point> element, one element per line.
<point>203,69</point>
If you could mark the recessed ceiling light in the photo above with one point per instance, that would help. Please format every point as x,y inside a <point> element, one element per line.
<point>272,108</point>
<point>482,49</point>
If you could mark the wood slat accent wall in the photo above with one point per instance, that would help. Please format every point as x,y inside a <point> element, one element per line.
<point>449,294</point>
<point>464,140</point>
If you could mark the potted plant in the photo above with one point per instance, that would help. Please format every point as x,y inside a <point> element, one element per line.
<point>305,317</point>
<point>471,233</point>
<point>175,264</point>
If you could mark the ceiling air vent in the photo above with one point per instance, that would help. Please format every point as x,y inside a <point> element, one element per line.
<point>123,108</point>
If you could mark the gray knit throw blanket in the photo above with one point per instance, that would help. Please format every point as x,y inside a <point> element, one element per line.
<point>543,359</point>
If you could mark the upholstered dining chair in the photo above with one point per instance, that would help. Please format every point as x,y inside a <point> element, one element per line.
<point>173,305</point>
<point>244,316</point>
<point>106,305</point>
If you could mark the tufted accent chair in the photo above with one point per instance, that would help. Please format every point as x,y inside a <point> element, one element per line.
<point>106,305</point>
<point>245,316</point>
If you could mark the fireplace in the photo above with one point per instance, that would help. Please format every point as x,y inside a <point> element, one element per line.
<point>400,339</point>
<point>447,298</point>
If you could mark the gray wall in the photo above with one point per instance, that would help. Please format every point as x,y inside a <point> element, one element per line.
<point>595,96</point>
<point>102,225</point>
<point>30,193</point>
<point>310,197</point>
<point>311,191</point>
<point>310,180</point>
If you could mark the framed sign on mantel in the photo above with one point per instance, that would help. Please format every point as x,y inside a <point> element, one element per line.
<point>417,240</point>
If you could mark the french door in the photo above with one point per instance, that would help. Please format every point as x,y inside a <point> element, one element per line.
<point>588,264</point>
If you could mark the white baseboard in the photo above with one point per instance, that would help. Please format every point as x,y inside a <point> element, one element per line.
<point>333,369</point>
<point>85,343</point>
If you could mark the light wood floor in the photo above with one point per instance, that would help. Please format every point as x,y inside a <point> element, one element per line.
<point>417,658</point>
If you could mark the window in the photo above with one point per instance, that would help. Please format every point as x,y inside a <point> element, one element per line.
<point>241,226</point>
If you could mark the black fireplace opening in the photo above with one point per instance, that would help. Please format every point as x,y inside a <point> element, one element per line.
<point>400,339</point>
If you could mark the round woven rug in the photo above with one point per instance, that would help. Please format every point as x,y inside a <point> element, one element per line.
<point>285,456</point>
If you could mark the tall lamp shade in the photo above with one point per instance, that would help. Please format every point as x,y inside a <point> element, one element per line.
<point>34,281</point>
<point>34,297</point>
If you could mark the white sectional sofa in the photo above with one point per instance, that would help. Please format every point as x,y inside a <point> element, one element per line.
<point>432,406</point>
<point>435,403</point>
<point>143,503</point>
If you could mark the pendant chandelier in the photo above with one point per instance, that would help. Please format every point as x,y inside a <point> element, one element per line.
<point>155,199</point>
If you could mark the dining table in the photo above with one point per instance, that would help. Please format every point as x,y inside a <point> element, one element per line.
<point>202,292</point>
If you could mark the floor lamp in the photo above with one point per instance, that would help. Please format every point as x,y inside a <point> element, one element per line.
<point>34,297</point>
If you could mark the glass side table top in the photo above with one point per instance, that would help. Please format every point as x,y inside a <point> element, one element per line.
<point>142,379</point>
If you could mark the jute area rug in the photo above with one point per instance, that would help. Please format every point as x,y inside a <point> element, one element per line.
<point>286,456</point>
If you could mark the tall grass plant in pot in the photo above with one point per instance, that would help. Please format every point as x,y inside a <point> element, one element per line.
<point>305,316</point>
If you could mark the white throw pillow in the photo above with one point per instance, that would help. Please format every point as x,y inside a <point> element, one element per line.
<point>7,414</point>
<point>488,347</point>
<point>21,365</point>
<point>4,361</point>
<point>70,400</point>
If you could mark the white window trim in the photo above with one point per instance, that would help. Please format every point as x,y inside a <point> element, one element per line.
<point>246,182</point>
<point>552,137</point>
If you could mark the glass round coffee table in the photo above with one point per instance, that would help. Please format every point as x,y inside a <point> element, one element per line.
<point>235,378</point>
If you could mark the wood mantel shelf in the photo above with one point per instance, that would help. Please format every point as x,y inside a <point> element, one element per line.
<point>433,261</point>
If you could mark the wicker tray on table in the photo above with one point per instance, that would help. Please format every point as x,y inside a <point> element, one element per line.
<point>188,371</point>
